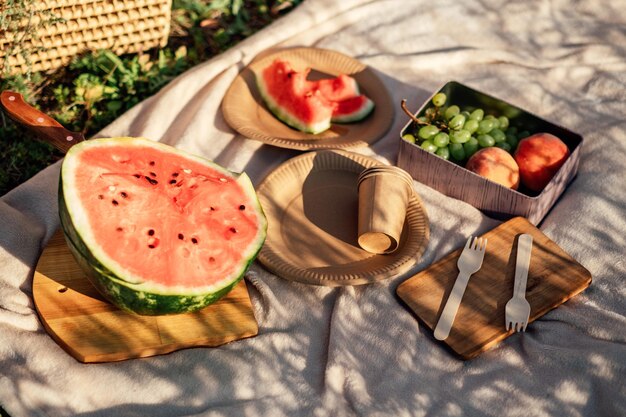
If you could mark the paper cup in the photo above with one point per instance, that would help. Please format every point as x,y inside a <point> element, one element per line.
<point>384,194</point>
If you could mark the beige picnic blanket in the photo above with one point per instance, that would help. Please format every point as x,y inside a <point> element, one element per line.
<point>356,351</point>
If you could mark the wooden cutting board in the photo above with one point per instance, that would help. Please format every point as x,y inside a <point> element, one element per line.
<point>553,278</point>
<point>93,330</point>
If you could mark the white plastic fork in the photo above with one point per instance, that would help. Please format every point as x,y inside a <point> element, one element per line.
<point>470,261</point>
<point>517,309</point>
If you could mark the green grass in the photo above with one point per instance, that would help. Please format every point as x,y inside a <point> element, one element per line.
<point>96,88</point>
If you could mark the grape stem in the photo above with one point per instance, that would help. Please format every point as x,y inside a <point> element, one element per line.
<point>441,125</point>
<point>408,112</point>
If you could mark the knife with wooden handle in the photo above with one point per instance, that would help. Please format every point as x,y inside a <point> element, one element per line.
<point>42,125</point>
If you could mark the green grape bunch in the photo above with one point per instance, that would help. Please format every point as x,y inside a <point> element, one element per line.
<point>456,134</point>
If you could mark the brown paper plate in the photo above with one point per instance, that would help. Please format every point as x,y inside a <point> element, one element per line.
<point>245,111</point>
<point>311,203</point>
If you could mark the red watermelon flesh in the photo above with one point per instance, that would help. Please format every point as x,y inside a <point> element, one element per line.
<point>339,88</point>
<point>172,229</point>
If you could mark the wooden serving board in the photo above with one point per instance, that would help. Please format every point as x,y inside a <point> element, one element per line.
<point>553,278</point>
<point>92,330</point>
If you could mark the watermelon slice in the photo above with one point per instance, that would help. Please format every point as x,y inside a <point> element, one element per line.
<point>352,109</point>
<point>311,106</point>
<point>293,99</point>
<point>156,230</point>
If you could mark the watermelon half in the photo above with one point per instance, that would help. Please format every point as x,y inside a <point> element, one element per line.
<point>157,230</point>
<point>311,106</point>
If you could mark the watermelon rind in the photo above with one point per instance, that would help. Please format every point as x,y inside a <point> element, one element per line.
<point>357,115</point>
<point>120,287</point>
<point>285,116</point>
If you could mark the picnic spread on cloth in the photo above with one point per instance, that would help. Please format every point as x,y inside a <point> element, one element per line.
<point>377,290</point>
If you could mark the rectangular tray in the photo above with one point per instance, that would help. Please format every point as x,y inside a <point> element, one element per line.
<point>553,278</point>
<point>493,199</point>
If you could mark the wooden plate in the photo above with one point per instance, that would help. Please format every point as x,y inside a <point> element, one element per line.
<point>553,278</point>
<point>311,203</point>
<point>245,111</point>
<point>92,330</point>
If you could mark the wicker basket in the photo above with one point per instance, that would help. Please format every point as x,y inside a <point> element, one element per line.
<point>124,26</point>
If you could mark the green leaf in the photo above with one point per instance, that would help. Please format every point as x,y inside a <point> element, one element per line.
<point>181,52</point>
<point>118,64</point>
<point>114,106</point>
<point>236,6</point>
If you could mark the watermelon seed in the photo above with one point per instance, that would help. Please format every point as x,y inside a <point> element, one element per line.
<point>211,259</point>
<point>62,289</point>
<point>152,174</point>
<point>150,180</point>
<point>232,229</point>
<point>151,246</point>
<point>212,209</point>
<point>151,232</point>
<point>242,207</point>
<point>194,240</point>
<point>123,194</point>
<point>119,229</point>
<point>115,203</point>
<point>100,197</point>
<point>153,242</point>
<point>172,181</point>
<point>181,236</point>
<point>174,174</point>
<point>151,163</point>
<point>137,176</point>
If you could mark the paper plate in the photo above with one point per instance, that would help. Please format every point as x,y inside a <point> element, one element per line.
<point>245,111</point>
<point>311,203</point>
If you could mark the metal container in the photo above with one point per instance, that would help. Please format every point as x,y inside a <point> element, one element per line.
<point>492,198</point>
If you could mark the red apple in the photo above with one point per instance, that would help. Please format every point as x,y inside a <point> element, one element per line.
<point>539,157</point>
<point>495,164</point>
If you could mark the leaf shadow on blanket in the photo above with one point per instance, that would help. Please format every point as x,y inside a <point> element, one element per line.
<point>357,350</point>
